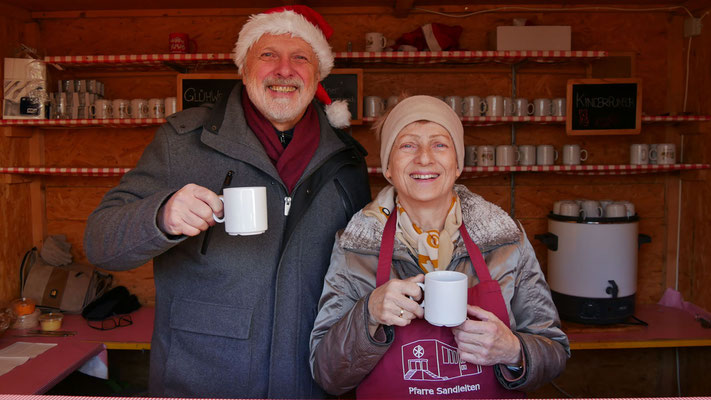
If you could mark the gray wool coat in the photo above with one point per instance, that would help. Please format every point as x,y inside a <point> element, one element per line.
<point>236,321</point>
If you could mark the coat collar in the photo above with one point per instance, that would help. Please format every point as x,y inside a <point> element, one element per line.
<point>488,225</point>
<point>235,139</point>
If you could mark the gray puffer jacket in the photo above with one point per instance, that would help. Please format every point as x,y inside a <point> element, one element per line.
<point>234,322</point>
<point>342,350</point>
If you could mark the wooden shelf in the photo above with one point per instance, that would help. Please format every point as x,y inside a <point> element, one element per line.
<point>487,121</point>
<point>668,327</point>
<point>165,61</point>
<point>80,123</point>
<point>614,169</point>
<point>620,169</point>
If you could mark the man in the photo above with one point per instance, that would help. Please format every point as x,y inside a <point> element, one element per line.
<point>235,321</point>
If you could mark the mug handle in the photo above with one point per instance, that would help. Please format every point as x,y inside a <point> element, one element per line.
<point>653,154</point>
<point>581,155</point>
<point>422,286</point>
<point>384,40</point>
<point>483,106</point>
<point>215,217</point>
<point>555,155</point>
<point>531,108</point>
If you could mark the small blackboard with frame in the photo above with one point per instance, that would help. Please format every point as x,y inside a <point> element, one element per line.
<point>604,106</point>
<point>340,84</point>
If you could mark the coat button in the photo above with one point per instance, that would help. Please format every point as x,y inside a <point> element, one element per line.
<point>214,128</point>
<point>182,126</point>
<point>273,183</point>
<point>308,191</point>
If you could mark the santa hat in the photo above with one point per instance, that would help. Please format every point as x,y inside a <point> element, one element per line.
<point>307,24</point>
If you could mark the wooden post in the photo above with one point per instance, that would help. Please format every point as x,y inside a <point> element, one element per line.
<point>37,193</point>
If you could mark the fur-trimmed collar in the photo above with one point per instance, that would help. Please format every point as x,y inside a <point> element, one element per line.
<point>488,225</point>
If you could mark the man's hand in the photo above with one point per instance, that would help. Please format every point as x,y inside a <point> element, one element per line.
<point>189,211</point>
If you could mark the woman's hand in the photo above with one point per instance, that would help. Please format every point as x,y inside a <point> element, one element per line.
<point>487,341</point>
<point>390,304</point>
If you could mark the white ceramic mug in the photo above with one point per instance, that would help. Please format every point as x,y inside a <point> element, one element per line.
<point>470,155</point>
<point>546,154</point>
<point>455,103</point>
<point>485,156</point>
<point>506,155</point>
<point>121,108</point>
<point>527,154</point>
<point>508,107</point>
<point>569,208</point>
<point>139,108</point>
<point>101,109</point>
<point>573,154</point>
<point>558,107</point>
<point>615,210</point>
<point>473,106</point>
<point>542,107</point>
<point>156,108</point>
<point>494,106</point>
<point>653,153</point>
<point>666,153</point>
<point>522,107</point>
<point>245,211</point>
<point>639,154</point>
<point>591,209</point>
<point>171,105</point>
<point>375,41</point>
<point>445,301</point>
<point>629,207</point>
<point>374,106</point>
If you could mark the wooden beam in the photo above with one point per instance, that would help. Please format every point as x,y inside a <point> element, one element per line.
<point>403,7</point>
<point>17,131</point>
<point>37,193</point>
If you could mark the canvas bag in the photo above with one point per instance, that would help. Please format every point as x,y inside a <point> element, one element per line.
<point>68,288</point>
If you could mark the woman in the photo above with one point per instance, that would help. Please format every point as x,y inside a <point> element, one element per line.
<point>511,341</point>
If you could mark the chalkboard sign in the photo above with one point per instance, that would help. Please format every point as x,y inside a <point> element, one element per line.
<point>197,89</point>
<point>341,84</point>
<point>604,106</point>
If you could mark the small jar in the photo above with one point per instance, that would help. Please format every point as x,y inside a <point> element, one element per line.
<point>27,321</point>
<point>23,306</point>
<point>51,321</point>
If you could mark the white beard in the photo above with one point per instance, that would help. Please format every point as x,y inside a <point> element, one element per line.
<point>278,109</point>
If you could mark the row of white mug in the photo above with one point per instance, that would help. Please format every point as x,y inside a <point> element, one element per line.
<point>475,106</point>
<point>89,108</point>
<point>585,209</point>
<point>657,153</point>
<point>509,155</point>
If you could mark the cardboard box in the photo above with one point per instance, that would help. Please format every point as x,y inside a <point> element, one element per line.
<point>530,38</point>
<point>24,89</point>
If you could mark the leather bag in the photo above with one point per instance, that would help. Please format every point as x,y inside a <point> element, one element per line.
<point>68,288</point>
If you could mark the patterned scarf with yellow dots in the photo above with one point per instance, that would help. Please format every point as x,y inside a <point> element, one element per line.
<point>432,248</point>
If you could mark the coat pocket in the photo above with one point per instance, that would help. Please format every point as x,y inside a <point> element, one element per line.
<point>210,350</point>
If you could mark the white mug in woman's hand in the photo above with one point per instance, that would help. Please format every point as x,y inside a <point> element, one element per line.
<point>445,300</point>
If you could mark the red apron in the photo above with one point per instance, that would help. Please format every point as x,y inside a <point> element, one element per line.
<point>422,361</point>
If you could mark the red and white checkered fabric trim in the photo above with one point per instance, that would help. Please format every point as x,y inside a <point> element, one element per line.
<point>676,118</point>
<point>466,56</point>
<point>366,56</point>
<point>118,122</point>
<point>62,171</point>
<point>615,169</point>
<point>137,58</point>
<point>495,120</point>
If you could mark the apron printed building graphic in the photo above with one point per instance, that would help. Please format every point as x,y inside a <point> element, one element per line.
<point>433,360</point>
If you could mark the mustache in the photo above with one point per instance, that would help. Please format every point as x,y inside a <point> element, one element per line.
<point>298,83</point>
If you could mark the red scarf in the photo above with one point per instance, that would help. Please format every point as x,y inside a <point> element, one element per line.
<point>291,161</point>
